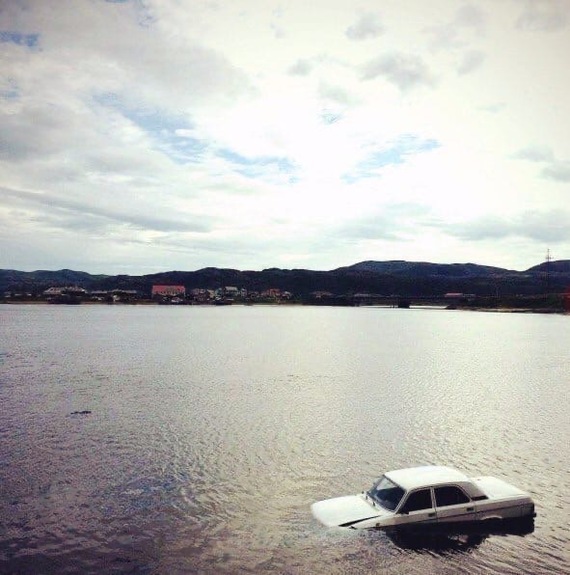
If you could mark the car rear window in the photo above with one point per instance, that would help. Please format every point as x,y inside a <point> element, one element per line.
<point>449,495</point>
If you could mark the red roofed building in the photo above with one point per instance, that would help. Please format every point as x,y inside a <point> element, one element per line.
<point>168,291</point>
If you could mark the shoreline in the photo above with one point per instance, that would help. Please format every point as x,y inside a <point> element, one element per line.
<point>502,309</point>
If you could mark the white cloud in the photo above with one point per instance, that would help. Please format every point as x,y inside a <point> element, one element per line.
<point>470,61</point>
<point>301,68</point>
<point>558,171</point>
<point>544,16</point>
<point>467,22</point>
<point>535,154</point>
<point>366,27</point>
<point>406,71</point>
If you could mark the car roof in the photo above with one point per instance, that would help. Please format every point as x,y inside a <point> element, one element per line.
<point>425,476</point>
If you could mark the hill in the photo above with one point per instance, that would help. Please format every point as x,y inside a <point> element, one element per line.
<point>425,269</point>
<point>378,277</point>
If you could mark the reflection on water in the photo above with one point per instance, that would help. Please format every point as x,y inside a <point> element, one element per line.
<point>438,543</point>
<point>444,539</point>
<point>175,440</point>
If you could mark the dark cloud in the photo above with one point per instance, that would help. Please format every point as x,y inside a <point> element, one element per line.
<point>367,26</point>
<point>405,71</point>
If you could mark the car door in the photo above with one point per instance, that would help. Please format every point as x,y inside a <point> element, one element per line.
<point>417,508</point>
<point>453,505</point>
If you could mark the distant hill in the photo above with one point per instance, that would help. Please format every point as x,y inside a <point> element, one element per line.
<point>425,269</point>
<point>10,279</point>
<point>377,277</point>
<point>557,267</point>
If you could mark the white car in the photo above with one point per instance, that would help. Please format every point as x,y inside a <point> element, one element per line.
<point>429,495</point>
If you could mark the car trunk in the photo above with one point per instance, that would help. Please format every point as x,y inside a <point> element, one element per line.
<point>497,488</point>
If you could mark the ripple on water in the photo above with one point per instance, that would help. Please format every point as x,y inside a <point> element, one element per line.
<point>202,453</point>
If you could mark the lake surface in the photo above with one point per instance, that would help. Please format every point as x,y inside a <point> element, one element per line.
<point>212,429</point>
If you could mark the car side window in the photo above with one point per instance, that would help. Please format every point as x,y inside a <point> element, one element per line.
<point>417,501</point>
<point>449,495</point>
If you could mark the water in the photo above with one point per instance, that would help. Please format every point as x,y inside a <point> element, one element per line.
<point>212,429</point>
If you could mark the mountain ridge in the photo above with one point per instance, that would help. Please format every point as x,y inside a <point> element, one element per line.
<point>403,277</point>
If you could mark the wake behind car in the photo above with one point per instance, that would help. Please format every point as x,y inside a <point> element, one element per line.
<point>428,495</point>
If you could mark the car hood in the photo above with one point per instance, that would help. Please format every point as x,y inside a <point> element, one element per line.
<point>344,511</point>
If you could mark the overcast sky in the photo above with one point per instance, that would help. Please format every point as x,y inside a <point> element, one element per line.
<point>151,135</point>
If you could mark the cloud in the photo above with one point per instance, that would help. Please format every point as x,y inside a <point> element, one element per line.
<point>405,71</point>
<point>484,228</point>
<point>557,171</point>
<point>535,154</point>
<point>551,226</point>
<point>554,169</point>
<point>91,215</point>
<point>366,27</point>
<point>468,21</point>
<point>240,135</point>
<point>471,16</point>
<point>392,222</point>
<point>470,61</point>
<point>336,94</point>
<point>300,68</point>
<point>122,48</point>
<point>544,16</point>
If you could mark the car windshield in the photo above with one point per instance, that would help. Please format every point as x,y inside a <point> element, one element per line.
<point>386,493</point>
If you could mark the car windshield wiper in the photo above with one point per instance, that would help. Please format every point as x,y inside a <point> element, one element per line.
<point>373,499</point>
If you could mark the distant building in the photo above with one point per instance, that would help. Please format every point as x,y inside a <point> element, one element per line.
<point>321,294</point>
<point>168,291</point>
<point>202,295</point>
<point>69,290</point>
<point>271,293</point>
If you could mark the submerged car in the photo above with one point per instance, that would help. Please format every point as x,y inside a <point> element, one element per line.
<point>428,495</point>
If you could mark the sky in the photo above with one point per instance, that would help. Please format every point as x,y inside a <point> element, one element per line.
<point>141,136</point>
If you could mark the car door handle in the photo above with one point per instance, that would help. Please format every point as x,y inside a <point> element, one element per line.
<point>431,514</point>
<point>470,509</point>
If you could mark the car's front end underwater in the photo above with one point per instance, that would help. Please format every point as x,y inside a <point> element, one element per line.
<point>356,511</point>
